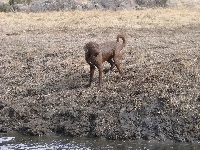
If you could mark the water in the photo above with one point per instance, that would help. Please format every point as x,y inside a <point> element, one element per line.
<point>20,142</point>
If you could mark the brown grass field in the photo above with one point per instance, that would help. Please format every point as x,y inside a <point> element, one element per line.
<point>43,71</point>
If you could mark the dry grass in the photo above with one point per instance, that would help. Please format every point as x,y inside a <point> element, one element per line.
<point>168,17</point>
<point>151,34</point>
<point>42,64</point>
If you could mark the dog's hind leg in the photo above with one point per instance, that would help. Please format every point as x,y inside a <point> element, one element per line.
<point>117,64</point>
<point>112,65</point>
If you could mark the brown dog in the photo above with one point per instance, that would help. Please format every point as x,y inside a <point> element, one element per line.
<point>96,54</point>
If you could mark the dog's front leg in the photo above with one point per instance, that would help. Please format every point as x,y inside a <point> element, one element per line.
<point>92,69</point>
<point>100,74</point>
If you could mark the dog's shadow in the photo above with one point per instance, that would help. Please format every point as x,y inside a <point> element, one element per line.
<point>76,81</point>
<point>73,81</point>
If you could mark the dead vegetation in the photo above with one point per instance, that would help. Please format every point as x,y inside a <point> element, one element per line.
<point>43,73</point>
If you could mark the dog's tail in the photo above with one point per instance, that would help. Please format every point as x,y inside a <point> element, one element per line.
<point>123,39</point>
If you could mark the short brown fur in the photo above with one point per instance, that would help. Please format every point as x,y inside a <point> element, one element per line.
<point>96,54</point>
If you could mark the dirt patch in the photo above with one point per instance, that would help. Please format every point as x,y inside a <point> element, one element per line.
<point>43,75</point>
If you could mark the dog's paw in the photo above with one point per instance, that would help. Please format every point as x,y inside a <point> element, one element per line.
<point>105,71</point>
<point>87,85</point>
<point>119,79</point>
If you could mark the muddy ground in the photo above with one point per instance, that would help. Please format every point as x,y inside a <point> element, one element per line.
<point>43,76</point>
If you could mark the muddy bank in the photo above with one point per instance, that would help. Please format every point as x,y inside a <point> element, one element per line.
<point>43,76</point>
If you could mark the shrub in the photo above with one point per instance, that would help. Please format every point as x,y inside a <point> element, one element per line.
<point>12,2</point>
<point>5,8</point>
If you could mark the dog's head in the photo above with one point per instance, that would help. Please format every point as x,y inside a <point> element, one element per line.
<point>91,49</point>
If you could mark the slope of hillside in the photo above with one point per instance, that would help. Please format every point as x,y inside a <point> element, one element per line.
<point>43,75</point>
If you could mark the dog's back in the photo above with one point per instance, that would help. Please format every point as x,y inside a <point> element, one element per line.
<point>109,47</point>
